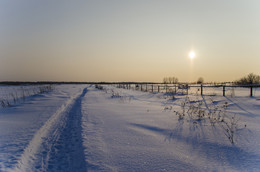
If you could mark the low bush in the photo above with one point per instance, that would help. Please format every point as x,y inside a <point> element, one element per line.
<point>195,112</point>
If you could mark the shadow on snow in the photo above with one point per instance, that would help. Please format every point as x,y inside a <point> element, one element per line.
<point>234,156</point>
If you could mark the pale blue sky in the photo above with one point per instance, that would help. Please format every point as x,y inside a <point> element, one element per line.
<point>137,40</point>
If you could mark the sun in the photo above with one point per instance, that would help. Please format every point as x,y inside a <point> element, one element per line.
<point>192,55</point>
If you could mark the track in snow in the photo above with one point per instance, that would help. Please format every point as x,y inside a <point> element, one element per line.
<point>57,146</point>
<point>67,154</point>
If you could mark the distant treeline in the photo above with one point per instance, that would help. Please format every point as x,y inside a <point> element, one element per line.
<point>37,83</point>
<point>55,82</point>
<point>249,79</point>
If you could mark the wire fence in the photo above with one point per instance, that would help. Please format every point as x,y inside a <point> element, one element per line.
<point>197,89</point>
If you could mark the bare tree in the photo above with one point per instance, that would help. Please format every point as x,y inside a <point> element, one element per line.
<point>249,79</point>
<point>174,80</point>
<point>200,80</point>
<point>170,80</point>
<point>165,80</point>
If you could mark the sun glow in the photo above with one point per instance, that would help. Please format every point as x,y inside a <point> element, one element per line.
<point>192,55</point>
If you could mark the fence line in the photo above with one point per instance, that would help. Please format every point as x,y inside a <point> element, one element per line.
<point>183,88</point>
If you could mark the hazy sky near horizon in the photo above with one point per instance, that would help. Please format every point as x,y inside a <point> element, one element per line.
<point>128,40</point>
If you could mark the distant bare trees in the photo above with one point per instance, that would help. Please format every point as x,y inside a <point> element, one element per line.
<point>249,79</point>
<point>200,80</point>
<point>170,80</point>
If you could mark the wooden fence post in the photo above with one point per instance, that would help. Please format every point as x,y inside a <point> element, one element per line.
<point>251,91</point>
<point>141,87</point>
<point>158,89</point>
<point>152,88</point>
<point>201,89</point>
<point>224,91</point>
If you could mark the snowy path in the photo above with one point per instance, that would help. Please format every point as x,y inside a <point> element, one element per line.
<point>29,129</point>
<point>66,152</point>
<point>57,146</point>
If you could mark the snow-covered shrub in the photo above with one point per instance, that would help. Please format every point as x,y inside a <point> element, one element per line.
<point>167,108</point>
<point>115,94</point>
<point>196,112</point>
<point>230,127</point>
<point>100,87</point>
<point>5,103</point>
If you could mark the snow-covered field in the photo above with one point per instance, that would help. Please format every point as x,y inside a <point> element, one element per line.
<point>82,128</point>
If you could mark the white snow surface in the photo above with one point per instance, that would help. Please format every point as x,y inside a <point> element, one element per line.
<point>81,128</point>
